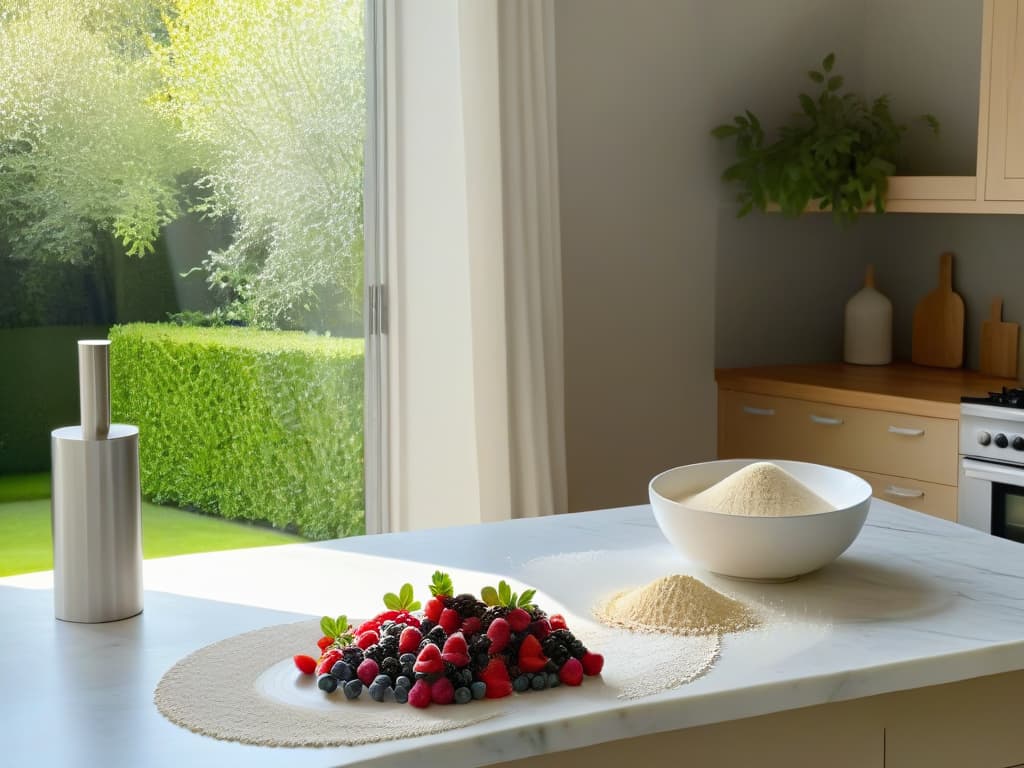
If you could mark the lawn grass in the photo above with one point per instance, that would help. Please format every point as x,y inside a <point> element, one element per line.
<point>26,543</point>
<point>24,487</point>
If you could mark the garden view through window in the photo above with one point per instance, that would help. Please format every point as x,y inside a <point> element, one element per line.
<point>185,178</point>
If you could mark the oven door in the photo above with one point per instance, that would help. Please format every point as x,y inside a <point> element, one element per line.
<point>992,498</point>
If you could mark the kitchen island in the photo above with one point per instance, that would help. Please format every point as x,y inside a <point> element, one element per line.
<point>904,652</point>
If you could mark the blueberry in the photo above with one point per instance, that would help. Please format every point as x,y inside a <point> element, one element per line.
<point>539,682</point>
<point>408,670</point>
<point>342,671</point>
<point>353,688</point>
<point>463,695</point>
<point>401,694</point>
<point>403,681</point>
<point>388,694</point>
<point>377,691</point>
<point>478,689</point>
<point>553,681</point>
<point>327,683</point>
<point>382,680</point>
<point>520,684</point>
<point>407,658</point>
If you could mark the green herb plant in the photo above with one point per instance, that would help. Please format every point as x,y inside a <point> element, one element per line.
<point>838,151</point>
<point>441,585</point>
<point>403,601</point>
<point>337,629</point>
<point>506,598</point>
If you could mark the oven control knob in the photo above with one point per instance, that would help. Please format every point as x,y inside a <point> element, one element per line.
<point>984,438</point>
<point>1018,443</point>
<point>1001,441</point>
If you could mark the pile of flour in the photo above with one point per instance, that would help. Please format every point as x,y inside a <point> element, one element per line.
<point>761,489</point>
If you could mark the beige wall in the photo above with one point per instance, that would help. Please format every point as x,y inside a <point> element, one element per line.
<point>644,219</point>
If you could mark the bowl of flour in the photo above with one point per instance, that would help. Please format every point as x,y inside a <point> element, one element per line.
<point>765,520</point>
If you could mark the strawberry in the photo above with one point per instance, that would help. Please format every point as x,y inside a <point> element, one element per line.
<point>450,620</point>
<point>409,640</point>
<point>531,656</point>
<point>470,626</point>
<point>571,672</point>
<point>327,661</point>
<point>442,691</point>
<point>419,696</point>
<point>368,638</point>
<point>495,676</point>
<point>367,671</point>
<point>518,619</point>
<point>306,664</point>
<point>323,642</point>
<point>429,661</point>
<point>593,663</point>
<point>433,609</point>
<point>540,629</point>
<point>367,626</point>
<point>455,650</point>
<point>498,632</point>
<point>557,621</point>
<point>380,618</point>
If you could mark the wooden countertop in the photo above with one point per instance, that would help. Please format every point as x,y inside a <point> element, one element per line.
<point>899,387</point>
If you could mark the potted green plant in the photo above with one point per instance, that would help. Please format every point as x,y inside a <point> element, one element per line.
<point>838,151</point>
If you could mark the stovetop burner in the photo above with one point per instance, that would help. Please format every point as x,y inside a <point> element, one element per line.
<point>1008,398</point>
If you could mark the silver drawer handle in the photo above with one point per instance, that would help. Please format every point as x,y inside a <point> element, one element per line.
<point>906,431</point>
<point>904,493</point>
<point>826,420</point>
<point>758,411</point>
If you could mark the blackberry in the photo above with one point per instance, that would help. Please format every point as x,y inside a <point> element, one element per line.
<point>437,636</point>
<point>513,670</point>
<point>537,614</point>
<point>480,661</point>
<point>374,652</point>
<point>570,641</point>
<point>467,605</point>
<point>479,645</point>
<point>555,649</point>
<point>451,671</point>
<point>426,625</point>
<point>492,613</point>
<point>352,655</point>
<point>394,630</point>
<point>390,645</point>
<point>391,667</point>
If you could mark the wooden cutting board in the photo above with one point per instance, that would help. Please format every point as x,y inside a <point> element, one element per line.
<point>999,344</point>
<point>938,338</point>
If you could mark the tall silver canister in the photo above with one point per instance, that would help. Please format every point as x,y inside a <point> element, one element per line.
<point>96,506</point>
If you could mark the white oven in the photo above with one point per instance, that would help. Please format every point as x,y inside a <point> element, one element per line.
<point>991,492</point>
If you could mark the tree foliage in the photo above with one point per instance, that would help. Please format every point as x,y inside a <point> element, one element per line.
<point>271,93</point>
<point>115,116</point>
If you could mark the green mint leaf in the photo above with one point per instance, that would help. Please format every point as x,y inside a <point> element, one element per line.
<point>405,594</point>
<point>413,606</point>
<point>489,595</point>
<point>526,599</point>
<point>392,602</point>
<point>340,626</point>
<point>504,592</point>
<point>327,627</point>
<point>441,584</point>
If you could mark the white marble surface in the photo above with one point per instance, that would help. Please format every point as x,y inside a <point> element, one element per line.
<point>915,601</point>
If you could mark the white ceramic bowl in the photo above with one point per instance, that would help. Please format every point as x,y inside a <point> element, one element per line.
<point>775,548</point>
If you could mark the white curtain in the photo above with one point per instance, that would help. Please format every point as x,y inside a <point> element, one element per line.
<point>476,424</point>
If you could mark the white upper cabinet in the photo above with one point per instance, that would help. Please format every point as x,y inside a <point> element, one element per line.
<point>1004,62</point>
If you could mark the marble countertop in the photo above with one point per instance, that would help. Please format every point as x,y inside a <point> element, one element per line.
<point>915,601</point>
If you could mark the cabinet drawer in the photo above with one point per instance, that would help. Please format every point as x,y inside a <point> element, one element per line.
<point>894,444</point>
<point>931,498</point>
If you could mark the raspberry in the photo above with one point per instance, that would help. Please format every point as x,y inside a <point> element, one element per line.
<point>432,610</point>
<point>571,672</point>
<point>323,642</point>
<point>557,621</point>
<point>409,640</point>
<point>429,661</point>
<point>368,625</point>
<point>593,663</point>
<point>419,694</point>
<point>328,660</point>
<point>450,620</point>
<point>531,657</point>
<point>499,633</point>
<point>518,619</point>
<point>471,626</point>
<point>368,638</point>
<point>496,677</point>
<point>442,691</point>
<point>455,650</point>
<point>404,617</point>
<point>540,629</point>
<point>306,664</point>
<point>368,671</point>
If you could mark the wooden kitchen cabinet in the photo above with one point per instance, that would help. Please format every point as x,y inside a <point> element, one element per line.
<point>1002,116</point>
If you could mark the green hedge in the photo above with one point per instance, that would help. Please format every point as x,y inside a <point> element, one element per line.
<point>244,423</point>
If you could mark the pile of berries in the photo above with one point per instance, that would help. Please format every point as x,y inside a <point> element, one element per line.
<point>457,649</point>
